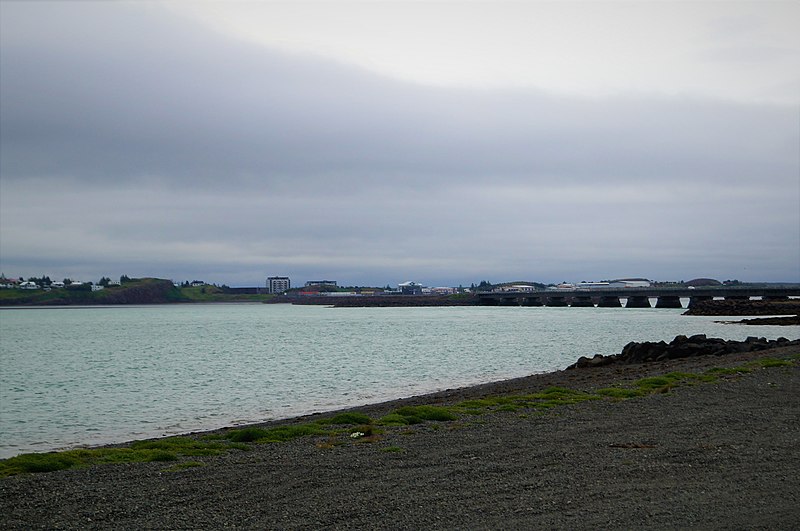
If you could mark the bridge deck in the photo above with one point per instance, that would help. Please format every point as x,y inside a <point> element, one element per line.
<point>636,297</point>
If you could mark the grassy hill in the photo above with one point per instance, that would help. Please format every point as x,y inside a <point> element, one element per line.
<point>136,291</point>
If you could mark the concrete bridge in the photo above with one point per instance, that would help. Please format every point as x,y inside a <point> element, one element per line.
<point>635,297</point>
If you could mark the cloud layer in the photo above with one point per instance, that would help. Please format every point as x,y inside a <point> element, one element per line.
<point>137,141</point>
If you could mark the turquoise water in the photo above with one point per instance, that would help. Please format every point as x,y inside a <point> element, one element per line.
<point>86,376</point>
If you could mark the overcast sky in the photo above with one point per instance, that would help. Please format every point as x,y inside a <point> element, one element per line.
<point>377,142</point>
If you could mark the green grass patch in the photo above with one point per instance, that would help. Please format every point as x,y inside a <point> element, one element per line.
<point>548,398</point>
<point>691,377</point>
<point>160,450</point>
<point>654,383</point>
<point>766,363</point>
<point>393,419</point>
<point>244,435</point>
<point>162,455</point>
<point>274,435</point>
<point>392,449</point>
<point>33,463</point>
<point>419,414</point>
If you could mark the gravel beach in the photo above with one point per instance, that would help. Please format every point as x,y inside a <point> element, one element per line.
<point>721,455</point>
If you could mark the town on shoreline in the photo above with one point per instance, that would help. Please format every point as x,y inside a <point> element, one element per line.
<point>43,290</point>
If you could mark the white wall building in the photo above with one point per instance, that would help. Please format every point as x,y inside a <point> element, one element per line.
<point>278,284</point>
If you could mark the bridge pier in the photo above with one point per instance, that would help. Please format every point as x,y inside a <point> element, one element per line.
<point>532,301</point>
<point>638,301</point>
<point>609,301</point>
<point>556,301</point>
<point>668,301</point>
<point>695,299</point>
<point>582,301</point>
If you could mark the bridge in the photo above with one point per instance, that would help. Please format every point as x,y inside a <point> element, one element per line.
<point>634,297</point>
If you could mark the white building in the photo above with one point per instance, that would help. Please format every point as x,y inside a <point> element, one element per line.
<point>278,284</point>
<point>410,288</point>
<point>518,288</point>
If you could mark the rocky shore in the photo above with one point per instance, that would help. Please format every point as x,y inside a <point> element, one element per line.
<point>682,347</point>
<point>745,307</point>
<point>714,455</point>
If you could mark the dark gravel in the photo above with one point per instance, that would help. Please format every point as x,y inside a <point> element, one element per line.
<point>711,456</point>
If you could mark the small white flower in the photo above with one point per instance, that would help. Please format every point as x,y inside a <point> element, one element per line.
<point>356,434</point>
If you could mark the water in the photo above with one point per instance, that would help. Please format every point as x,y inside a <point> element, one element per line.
<point>87,376</point>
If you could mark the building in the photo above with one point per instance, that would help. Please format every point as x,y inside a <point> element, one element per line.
<point>278,284</point>
<point>410,288</point>
<point>321,284</point>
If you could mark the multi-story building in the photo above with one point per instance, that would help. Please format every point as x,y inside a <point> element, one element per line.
<point>278,284</point>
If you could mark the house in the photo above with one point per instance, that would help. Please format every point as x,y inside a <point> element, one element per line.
<point>96,287</point>
<point>29,285</point>
<point>410,288</point>
<point>517,288</point>
<point>321,284</point>
<point>443,291</point>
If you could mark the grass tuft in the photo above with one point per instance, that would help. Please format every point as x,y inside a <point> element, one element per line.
<point>247,434</point>
<point>393,419</point>
<point>392,449</point>
<point>273,435</point>
<point>418,414</point>
<point>49,462</point>
<point>766,363</point>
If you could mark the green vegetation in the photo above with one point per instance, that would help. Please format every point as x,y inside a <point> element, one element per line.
<point>549,398</point>
<point>137,291</point>
<point>161,450</point>
<point>210,293</point>
<point>392,449</point>
<point>144,290</point>
<point>770,362</point>
<point>420,414</point>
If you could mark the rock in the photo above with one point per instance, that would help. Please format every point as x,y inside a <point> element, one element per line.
<point>680,347</point>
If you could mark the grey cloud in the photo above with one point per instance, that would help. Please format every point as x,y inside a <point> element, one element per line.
<point>132,140</point>
<point>191,109</point>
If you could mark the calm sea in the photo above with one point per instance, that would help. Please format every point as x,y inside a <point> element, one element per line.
<point>87,376</point>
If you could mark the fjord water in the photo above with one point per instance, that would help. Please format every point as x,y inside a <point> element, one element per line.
<point>88,376</point>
